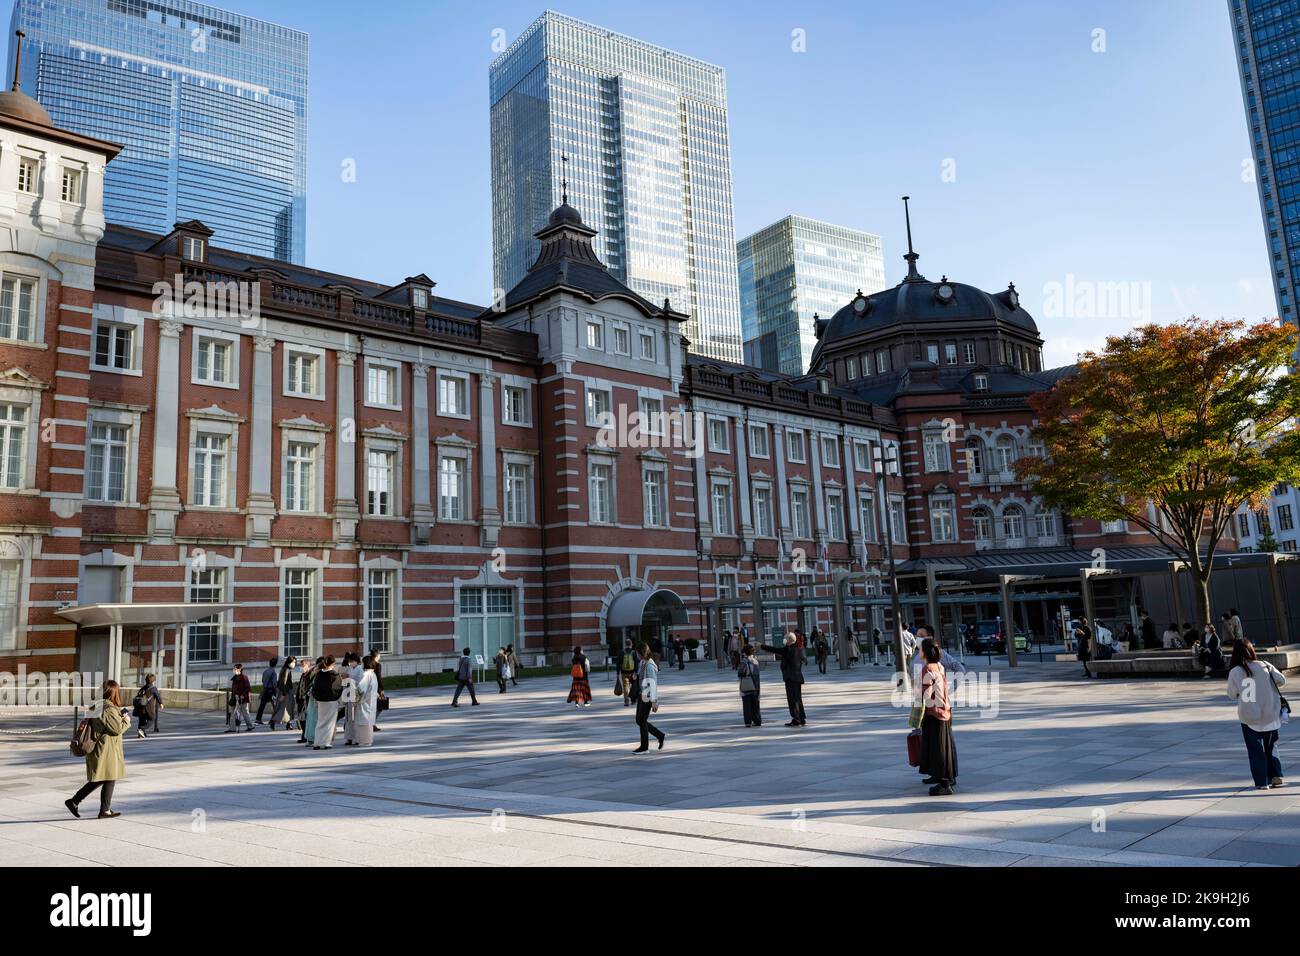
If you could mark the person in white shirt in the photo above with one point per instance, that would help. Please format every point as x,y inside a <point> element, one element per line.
<point>1254,684</point>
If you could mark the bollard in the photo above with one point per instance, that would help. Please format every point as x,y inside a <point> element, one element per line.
<point>417,680</point>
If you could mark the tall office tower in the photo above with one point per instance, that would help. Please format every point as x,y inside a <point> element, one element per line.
<point>1268,34</point>
<point>640,135</point>
<point>210,107</point>
<point>793,270</point>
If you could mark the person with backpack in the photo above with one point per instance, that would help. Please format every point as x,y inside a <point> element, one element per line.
<point>99,740</point>
<point>464,679</point>
<point>326,690</point>
<point>580,688</point>
<point>627,670</point>
<point>148,702</point>
<point>285,698</point>
<point>270,678</point>
<point>241,696</point>
<point>1254,684</point>
<point>750,686</point>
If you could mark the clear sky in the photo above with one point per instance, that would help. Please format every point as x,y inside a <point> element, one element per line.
<point>1115,166</point>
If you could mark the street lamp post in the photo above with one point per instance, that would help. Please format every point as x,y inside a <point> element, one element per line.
<point>883,468</point>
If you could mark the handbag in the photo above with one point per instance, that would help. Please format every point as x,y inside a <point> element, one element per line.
<point>618,686</point>
<point>914,749</point>
<point>381,704</point>
<point>747,685</point>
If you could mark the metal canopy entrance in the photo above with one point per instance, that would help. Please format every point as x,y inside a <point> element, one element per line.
<point>154,617</point>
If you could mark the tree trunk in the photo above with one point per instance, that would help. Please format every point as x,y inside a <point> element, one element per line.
<point>1201,585</point>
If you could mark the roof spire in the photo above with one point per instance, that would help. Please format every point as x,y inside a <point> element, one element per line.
<point>564,181</point>
<point>911,256</point>
<point>18,56</point>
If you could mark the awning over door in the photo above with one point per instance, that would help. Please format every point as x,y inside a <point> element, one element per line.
<point>140,615</point>
<point>634,608</point>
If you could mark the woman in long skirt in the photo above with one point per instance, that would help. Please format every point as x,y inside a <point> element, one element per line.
<point>580,689</point>
<point>307,706</point>
<point>367,704</point>
<point>286,706</point>
<point>938,752</point>
<point>326,690</point>
<point>351,677</point>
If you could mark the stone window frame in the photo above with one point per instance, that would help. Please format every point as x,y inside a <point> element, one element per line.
<point>214,421</point>
<point>723,448</point>
<point>450,374</point>
<point>121,318</point>
<point>21,266</point>
<point>306,431</point>
<point>393,366</point>
<point>513,456</point>
<point>393,443</point>
<point>608,457</point>
<point>19,388</point>
<point>198,333</point>
<point>525,386</point>
<point>129,416</point>
<point>318,394</point>
<point>455,447</point>
<point>393,567</point>
<point>302,562</point>
<point>760,428</point>
<point>717,481</point>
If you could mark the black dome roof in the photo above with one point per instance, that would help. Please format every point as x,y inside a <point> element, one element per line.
<point>566,214</point>
<point>917,300</point>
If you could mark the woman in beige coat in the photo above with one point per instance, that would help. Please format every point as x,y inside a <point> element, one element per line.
<point>105,765</point>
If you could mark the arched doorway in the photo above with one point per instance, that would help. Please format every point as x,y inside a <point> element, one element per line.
<point>649,615</point>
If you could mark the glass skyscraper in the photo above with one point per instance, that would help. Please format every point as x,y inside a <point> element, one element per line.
<point>210,107</point>
<point>648,164</point>
<point>793,270</point>
<point>1268,54</point>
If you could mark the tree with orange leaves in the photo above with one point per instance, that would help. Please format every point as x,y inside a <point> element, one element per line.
<point>1173,428</point>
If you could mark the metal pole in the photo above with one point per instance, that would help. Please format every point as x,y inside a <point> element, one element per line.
<point>1175,595</point>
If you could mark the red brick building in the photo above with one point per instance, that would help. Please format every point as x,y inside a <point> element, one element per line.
<point>355,464</point>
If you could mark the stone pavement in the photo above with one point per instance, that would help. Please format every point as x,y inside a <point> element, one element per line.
<point>1067,773</point>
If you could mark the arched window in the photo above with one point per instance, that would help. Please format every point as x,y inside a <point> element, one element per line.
<point>983,521</point>
<point>1013,522</point>
<point>975,457</point>
<point>1004,454</point>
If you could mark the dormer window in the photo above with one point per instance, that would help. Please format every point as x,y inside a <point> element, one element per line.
<point>981,382</point>
<point>27,170</point>
<point>420,298</point>
<point>192,248</point>
<point>70,191</point>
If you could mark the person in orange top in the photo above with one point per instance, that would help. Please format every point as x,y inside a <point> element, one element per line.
<point>938,753</point>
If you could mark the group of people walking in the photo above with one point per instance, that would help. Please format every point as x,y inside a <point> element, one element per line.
<point>314,696</point>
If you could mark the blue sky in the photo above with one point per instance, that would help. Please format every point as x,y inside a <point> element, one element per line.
<point>1120,166</point>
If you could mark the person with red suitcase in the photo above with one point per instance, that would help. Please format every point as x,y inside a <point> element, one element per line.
<point>938,758</point>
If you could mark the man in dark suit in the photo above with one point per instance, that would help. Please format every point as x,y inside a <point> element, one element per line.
<point>792,660</point>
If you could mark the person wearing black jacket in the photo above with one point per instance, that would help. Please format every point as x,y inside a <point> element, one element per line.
<point>326,689</point>
<point>285,698</point>
<point>1149,639</point>
<point>269,680</point>
<point>791,657</point>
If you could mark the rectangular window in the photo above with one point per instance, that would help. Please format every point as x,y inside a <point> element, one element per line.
<point>647,345</point>
<point>453,395</point>
<point>1243,525</point>
<point>835,516</point>
<point>652,416</point>
<point>519,492</point>
<point>303,373</point>
<point>729,589</point>
<point>204,637</point>
<point>1114,527</point>
<point>485,620</point>
<point>114,345</point>
<point>882,361</point>
<point>800,525</point>
<point>595,334</point>
<point>13,445</point>
<point>515,405</point>
<point>452,487</point>
<point>654,491</point>
<point>600,490</point>
<point>600,407</point>
<point>932,354</point>
<point>867,515</point>
<point>17,308</point>
<point>210,461</point>
<point>420,298</point>
<point>1285,520</point>
<point>722,517</point>
<point>192,248</point>
<point>763,511</point>
<point>27,169</point>
<point>898,520</point>
<point>719,435</point>
<point>830,451</point>
<point>968,349</point>
<point>795,450</point>
<point>381,385</point>
<point>70,188</point>
<point>936,451</point>
<point>758,441</point>
<point>106,463</point>
<point>300,477</point>
<point>213,360</point>
<point>381,476</point>
<point>942,527</point>
<point>10,573</point>
<point>1045,524</point>
<point>950,353</point>
<point>379,609</point>
<point>298,611</point>
<point>850,368</point>
<point>622,340</point>
<point>862,457</point>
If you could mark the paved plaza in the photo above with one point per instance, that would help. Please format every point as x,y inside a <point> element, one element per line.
<point>1069,773</point>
